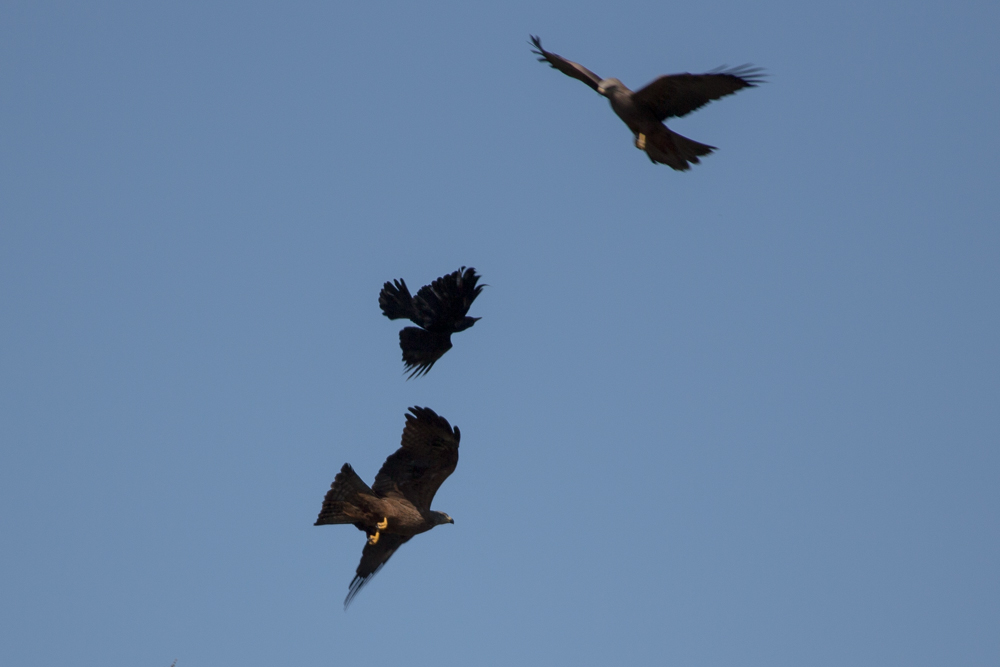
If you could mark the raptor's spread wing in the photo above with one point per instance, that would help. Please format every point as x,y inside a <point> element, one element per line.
<point>373,558</point>
<point>567,67</point>
<point>429,453</point>
<point>680,94</point>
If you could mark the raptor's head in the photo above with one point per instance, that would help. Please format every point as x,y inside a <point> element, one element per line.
<point>607,87</point>
<point>440,517</point>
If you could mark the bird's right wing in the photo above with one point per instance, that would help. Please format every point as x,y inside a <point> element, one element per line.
<point>373,558</point>
<point>676,95</point>
<point>567,67</point>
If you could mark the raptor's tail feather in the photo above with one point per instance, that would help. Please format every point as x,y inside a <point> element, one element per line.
<point>344,499</point>
<point>674,150</point>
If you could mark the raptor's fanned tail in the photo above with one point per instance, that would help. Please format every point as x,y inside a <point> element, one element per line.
<point>675,150</point>
<point>344,502</point>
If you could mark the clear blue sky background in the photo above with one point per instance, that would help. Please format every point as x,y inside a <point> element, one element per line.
<point>744,415</point>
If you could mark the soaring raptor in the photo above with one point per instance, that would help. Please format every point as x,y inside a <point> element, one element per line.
<point>398,505</point>
<point>439,309</point>
<point>673,95</point>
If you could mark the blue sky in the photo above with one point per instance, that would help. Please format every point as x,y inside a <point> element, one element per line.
<point>744,415</point>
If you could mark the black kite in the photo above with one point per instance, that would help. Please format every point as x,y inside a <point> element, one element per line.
<point>673,95</point>
<point>398,505</point>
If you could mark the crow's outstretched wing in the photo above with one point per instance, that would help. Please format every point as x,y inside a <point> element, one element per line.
<point>421,349</point>
<point>680,94</point>
<point>373,558</point>
<point>428,454</point>
<point>443,305</point>
<point>567,67</point>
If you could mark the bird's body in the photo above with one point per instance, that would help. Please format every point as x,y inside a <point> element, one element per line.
<point>439,309</point>
<point>620,98</point>
<point>398,505</point>
<point>673,95</point>
<point>365,509</point>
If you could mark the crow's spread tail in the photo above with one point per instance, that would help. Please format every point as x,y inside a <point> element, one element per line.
<point>396,302</point>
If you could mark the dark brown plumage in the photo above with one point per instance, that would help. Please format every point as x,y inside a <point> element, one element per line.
<point>398,505</point>
<point>673,95</point>
<point>439,309</point>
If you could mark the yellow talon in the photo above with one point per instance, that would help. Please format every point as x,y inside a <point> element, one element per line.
<point>380,526</point>
<point>640,141</point>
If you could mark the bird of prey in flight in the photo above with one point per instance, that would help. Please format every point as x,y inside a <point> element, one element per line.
<point>439,309</point>
<point>398,505</point>
<point>673,95</point>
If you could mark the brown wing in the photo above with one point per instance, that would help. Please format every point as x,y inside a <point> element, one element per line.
<point>373,558</point>
<point>567,67</point>
<point>680,94</point>
<point>417,469</point>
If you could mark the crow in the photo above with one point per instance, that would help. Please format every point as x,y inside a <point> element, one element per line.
<point>439,309</point>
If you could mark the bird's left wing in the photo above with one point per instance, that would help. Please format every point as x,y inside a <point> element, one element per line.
<point>680,94</point>
<point>567,67</point>
<point>373,558</point>
<point>429,453</point>
<point>422,349</point>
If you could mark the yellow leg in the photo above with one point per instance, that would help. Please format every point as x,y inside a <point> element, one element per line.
<point>379,527</point>
<point>640,141</point>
